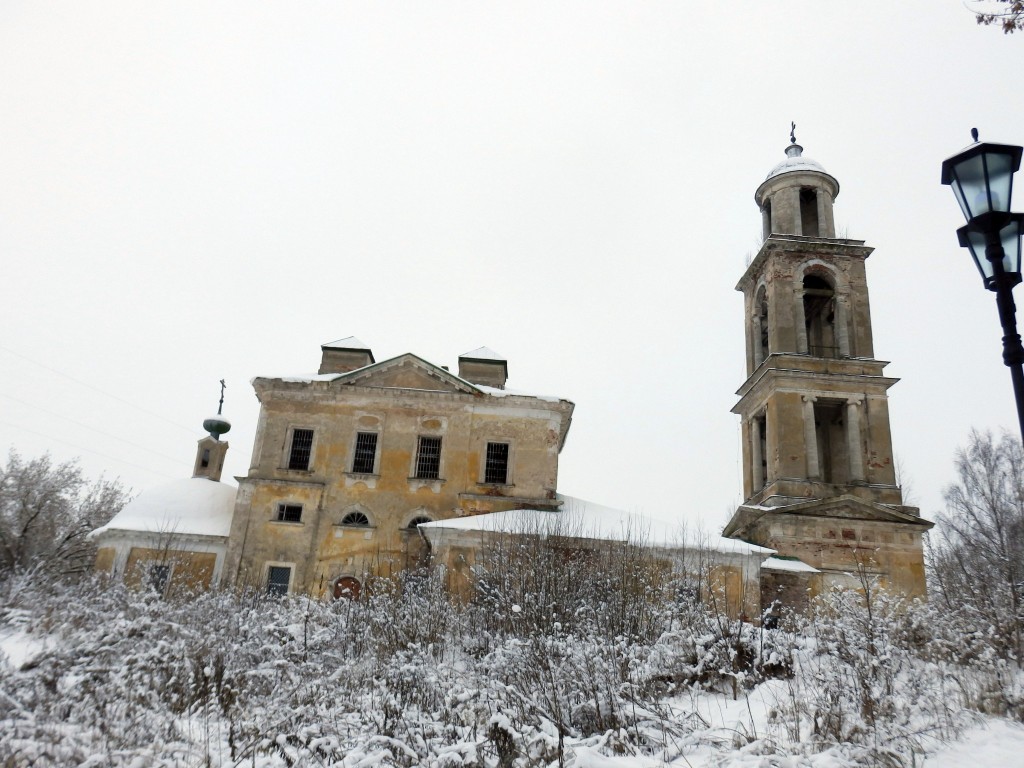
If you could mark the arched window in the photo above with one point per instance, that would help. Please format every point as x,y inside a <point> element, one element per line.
<point>809,213</point>
<point>761,339</point>
<point>417,520</point>
<point>820,316</point>
<point>355,518</point>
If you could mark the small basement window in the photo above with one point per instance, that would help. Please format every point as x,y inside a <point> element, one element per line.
<point>278,579</point>
<point>159,575</point>
<point>289,513</point>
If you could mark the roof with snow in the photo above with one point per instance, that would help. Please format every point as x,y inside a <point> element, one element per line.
<point>308,378</point>
<point>350,342</point>
<point>191,506</point>
<point>483,353</point>
<point>583,519</point>
<point>795,161</point>
<point>787,565</point>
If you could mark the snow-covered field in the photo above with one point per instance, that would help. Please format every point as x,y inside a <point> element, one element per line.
<point>105,676</point>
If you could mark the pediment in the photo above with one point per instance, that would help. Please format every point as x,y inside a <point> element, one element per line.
<point>747,519</point>
<point>408,372</point>
<point>853,508</point>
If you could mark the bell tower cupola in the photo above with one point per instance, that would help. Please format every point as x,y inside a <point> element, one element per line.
<point>796,197</point>
<point>814,408</point>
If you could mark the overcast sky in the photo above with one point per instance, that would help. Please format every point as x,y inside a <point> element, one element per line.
<point>193,191</point>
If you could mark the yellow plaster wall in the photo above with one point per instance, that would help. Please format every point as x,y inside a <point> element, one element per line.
<point>191,571</point>
<point>105,557</point>
<point>319,548</point>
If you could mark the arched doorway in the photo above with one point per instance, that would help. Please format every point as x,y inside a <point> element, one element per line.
<point>347,587</point>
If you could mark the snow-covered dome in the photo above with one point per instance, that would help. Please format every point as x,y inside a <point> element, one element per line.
<point>195,506</point>
<point>795,161</point>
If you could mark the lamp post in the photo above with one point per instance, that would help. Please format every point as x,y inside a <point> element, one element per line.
<point>982,180</point>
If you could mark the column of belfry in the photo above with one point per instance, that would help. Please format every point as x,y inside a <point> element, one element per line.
<point>819,482</point>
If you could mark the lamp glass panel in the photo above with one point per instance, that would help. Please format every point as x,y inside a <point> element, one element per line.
<point>1000,179</point>
<point>969,186</point>
<point>1009,237</point>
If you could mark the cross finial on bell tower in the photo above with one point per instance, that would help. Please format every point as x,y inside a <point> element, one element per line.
<point>792,133</point>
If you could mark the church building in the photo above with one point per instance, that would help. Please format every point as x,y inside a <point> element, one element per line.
<point>367,468</point>
<point>819,480</point>
<point>349,462</point>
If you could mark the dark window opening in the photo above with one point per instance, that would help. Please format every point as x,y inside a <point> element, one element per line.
<point>766,219</point>
<point>762,310</point>
<point>820,317</point>
<point>355,518</point>
<point>289,513</point>
<point>302,448</point>
<point>428,458</point>
<point>496,466</point>
<point>830,433</point>
<point>809,213</point>
<point>204,462</point>
<point>159,575</point>
<point>762,429</point>
<point>278,577</point>
<point>365,453</point>
<point>417,520</point>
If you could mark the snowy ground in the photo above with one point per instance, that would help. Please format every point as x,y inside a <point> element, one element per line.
<point>716,731</point>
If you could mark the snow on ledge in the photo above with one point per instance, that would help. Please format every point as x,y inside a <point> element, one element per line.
<point>787,565</point>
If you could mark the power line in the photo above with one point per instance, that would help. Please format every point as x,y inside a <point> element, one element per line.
<point>190,430</point>
<point>86,426</point>
<point>88,450</point>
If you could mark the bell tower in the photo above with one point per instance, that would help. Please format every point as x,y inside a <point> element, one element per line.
<point>819,482</point>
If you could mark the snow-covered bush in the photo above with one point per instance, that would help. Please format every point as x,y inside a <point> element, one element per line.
<point>401,677</point>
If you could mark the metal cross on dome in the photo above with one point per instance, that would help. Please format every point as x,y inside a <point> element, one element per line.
<point>792,133</point>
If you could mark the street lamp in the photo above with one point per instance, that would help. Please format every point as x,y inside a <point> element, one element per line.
<point>982,180</point>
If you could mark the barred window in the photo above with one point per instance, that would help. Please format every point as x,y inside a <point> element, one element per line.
<point>159,575</point>
<point>428,458</point>
<point>355,518</point>
<point>365,453</point>
<point>302,447</point>
<point>289,513</point>
<point>278,578</point>
<point>417,520</point>
<point>496,466</point>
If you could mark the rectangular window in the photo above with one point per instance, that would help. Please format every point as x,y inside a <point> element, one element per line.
<point>496,467</point>
<point>366,453</point>
<point>302,447</point>
<point>159,575</point>
<point>278,577</point>
<point>289,513</point>
<point>428,458</point>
